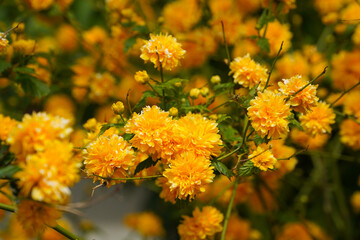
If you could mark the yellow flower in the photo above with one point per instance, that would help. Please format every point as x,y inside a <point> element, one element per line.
<point>345,64</point>
<point>163,48</point>
<point>318,119</point>
<point>181,15</point>
<point>292,64</point>
<point>303,100</point>
<point>24,46</point>
<point>146,223</point>
<point>39,4</point>
<point>154,132</point>
<point>280,150</point>
<point>355,201</point>
<point>268,113</point>
<point>166,193</point>
<point>60,105</point>
<point>51,234</point>
<point>36,216</point>
<point>276,33</point>
<point>198,134</point>
<point>95,35</point>
<point>4,43</point>
<point>294,231</point>
<point>263,158</point>
<point>238,229</point>
<point>46,176</point>
<point>352,103</point>
<point>350,133</point>
<point>202,225</point>
<point>34,131</point>
<point>108,157</point>
<point>356,36</point>
<point>188,174</point>
<point>247,72</point>
<point>173,111</point>
<point>101,87</point>
<point>6,125</point>
<point>141,77</point>
<point>67,38</point>
<point>308,141</point>
<point>118,107</point>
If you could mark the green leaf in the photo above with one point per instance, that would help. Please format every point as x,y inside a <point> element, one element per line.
<point>230,134</point>
<point>222,168</point>
<point>262,20</point>
<point>9,171</point>
<point>259,140</point>
<point>129,43</point>
<point>128,136</point>
<point>4,65</point>
<point>145,164</point>
<point>263,43</point>
<point>109,125</point>
<point>170,84</point>
<point>24,70</point>
<point>222,118</point>
<point>294,123</point>
<point>199,108</point>
<point>140,29</point>
<point>31,85</point>
<point>247,169</point>
<point>142,100</point>
<point>223,87</point>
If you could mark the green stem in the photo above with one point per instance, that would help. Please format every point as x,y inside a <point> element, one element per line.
<point>151,86</point>
<point>228,211</point>
<point>225,43</point>
<point>57,228</point>
<point>268,17</point>
<point>65,232</point>
<point>162,79</point>
<point>130,178</point>
<point>347,115</point>
<point>272,66</point>
<point>345,92</point>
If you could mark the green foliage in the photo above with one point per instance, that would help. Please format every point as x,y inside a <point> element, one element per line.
<point>9,171</point>
<point>107,126</point>
<point>222,168</point>
<point>31,85</point>
<point>248,169</point>
<point>4,65</point>
<point>149,162</point>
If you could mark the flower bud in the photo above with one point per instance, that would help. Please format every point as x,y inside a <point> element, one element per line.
<point>204,91</point>
<point>194,93</point>
<point>213,117</point>
<point>141,77</point>
<point>118,107</point>
<point>90,124</point>
<point>173,111</point>
<point>215,79</point>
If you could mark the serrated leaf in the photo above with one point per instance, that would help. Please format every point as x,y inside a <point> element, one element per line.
<point>31,85</point>
<point>230,134</point>
<point>247,169</point>
<point>4,65</point>
<point>144,165</point>
<point>108,126</point>
<point>9,171</point>
<point>263,43</point>
<point>222,118</point>
<point>129,43</point>
<point>222,168</point>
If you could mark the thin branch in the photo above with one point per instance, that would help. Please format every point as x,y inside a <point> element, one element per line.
<point>343,93</point>
<point>225,43</point>
<point>272,66</point>
<point>293,155</point>
<point>128,179</point>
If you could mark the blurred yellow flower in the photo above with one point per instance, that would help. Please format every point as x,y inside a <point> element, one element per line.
<point>345,64</point>
<point>35,216</point>
<point>263,158</point>
<point>162,49</point>
<point>6,126</point>
<point>308,141</point>
<point>350,133</point>
<point>146,223</point>
<point>238,229</point>
<point>102,87</point>
<point>277,33</point>
<point>141,77</point>
<point>202,225</point>
<point>3,42</point>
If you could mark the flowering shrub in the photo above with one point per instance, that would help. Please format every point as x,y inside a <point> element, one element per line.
<point>240,117</point>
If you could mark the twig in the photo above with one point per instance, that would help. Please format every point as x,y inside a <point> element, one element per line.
<point>343,93</point>
<point>272,66</point>
<point>225,43</point>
